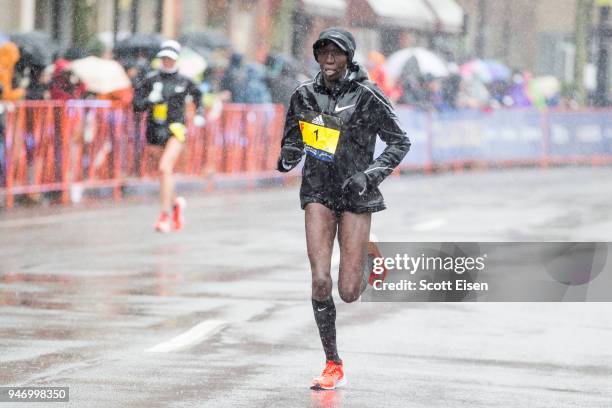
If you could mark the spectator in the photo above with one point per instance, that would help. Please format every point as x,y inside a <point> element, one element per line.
<point>38,87</point>
<point>281,80</point>
<point>255,88</point>
<point>64,84</point>
<point>9,55</point>
<point>378,74</point>
<point>233,80</point>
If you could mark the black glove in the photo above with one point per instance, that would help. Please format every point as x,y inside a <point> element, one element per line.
<point>356,184</point>
<point>290,156</point>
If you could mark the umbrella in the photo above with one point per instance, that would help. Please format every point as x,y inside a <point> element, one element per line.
<point>282,64</point>
<point>191,64</point>
<point>425,61</point>
<point>138,44</point>
<point>208,39</point>
<point>36,48</point>
<point>101,75</point>
<point>486,71</point>
<point>547,86</point>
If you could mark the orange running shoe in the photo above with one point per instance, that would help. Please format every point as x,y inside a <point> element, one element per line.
<point>178,218</point>
<point>163,223</point>
<point>331,378</point>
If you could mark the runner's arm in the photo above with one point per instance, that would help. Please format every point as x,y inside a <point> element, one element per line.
<point>292,146</point>
<point>389,130</point>
<point>196,95</point>
<point>141,93</point>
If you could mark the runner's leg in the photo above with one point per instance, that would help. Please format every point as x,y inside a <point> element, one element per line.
<point>167,162</point>
<point>321,227</point>
<point>353,236</point>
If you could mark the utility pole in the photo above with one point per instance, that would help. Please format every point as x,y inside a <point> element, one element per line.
<point>82,12</point>
<point>159,12</point>
<point>135,7</point>
<point>482,23</point>
<point>116,14</point>
<point>283,29</point>
<point>604,32</point>
<point>583,28</point>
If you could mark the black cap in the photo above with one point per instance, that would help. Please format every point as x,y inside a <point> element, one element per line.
<point>339,36</point>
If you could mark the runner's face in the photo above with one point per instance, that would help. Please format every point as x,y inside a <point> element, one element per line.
<point>333,62</point>
<point>168,63</point>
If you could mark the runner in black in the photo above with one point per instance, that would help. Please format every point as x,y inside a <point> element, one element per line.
<point>335,119</point>
<point>163,94</point>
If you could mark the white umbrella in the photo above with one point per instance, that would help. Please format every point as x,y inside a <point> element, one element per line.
<point>428,62</point>
<point>548,86</point>
<point>191,64</point>
<point>101,75</point>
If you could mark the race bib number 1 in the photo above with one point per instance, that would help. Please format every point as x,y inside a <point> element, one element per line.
<point>320,134</point>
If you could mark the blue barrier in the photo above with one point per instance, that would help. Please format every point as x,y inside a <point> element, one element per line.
<point>580,134</point>
<point>504,136</point>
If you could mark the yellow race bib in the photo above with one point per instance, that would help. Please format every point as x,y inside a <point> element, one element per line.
<point>160,112</point>
<point>320,134</point>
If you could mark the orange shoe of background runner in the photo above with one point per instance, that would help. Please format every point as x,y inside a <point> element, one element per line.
<point>163,223</point>
<point>178,217</point>
<point>331,378</point>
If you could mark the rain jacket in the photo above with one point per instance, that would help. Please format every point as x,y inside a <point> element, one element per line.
<point>255,87</point>
<point>175,88</point>
<point>9,55</point>
<point>165,114</point>
<point>350,116</point>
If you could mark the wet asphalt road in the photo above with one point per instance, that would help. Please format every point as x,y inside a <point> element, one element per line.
<point>219,315</point>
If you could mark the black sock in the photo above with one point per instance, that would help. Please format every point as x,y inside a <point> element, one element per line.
<point>325,316</point>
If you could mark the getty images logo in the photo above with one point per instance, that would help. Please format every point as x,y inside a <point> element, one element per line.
<point>433,262</point>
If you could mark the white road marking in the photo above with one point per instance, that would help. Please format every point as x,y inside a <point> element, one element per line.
<point>429,225</point>
<point>191,337</point>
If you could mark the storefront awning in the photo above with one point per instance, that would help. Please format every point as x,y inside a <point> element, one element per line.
<point>325,8</point>
<point>449,15</point>
<point>411,14</point>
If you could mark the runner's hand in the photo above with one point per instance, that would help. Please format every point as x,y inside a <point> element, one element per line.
<point>290,156</point>
<point>357,184</point>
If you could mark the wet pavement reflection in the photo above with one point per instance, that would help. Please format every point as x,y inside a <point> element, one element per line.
<point>85,295</point>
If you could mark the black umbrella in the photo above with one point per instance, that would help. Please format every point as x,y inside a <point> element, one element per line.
<point>282,64</point>
<point>36,48</point>
<point>207,39</point>
<point>146,45</point>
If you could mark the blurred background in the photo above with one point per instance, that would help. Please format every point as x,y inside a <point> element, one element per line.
<point>503,42</point>
<point>474,81</point>
<point>506,103</point>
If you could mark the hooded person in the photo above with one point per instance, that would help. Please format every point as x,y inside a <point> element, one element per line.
<point>9,56</point>
<point>334,120</point>
<point>163,95</point>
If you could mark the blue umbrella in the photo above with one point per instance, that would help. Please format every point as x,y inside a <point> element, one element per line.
<point>497,70</point>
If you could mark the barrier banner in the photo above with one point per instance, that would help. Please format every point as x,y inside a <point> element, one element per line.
<point>580,134</point>
<point>416,126</point>
<point>494,136</point>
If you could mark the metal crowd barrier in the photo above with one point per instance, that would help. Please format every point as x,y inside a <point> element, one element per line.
<point>49,147</point>
<point>501,138</point>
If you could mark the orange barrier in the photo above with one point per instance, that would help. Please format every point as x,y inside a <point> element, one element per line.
<point>75,145</point>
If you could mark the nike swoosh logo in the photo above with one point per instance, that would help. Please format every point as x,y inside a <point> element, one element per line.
<point>320,310</point>
<point>340,109</point>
